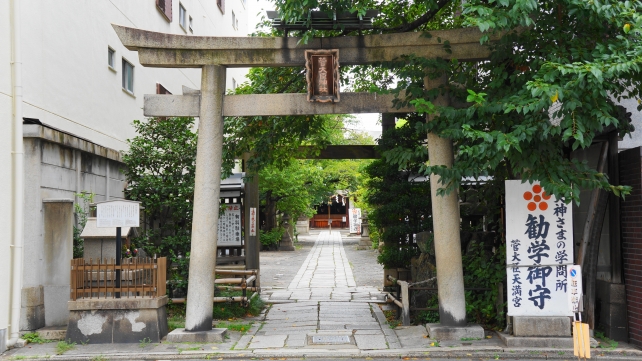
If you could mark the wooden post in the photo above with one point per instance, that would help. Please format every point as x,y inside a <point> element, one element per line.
<point>251,201</point>
<point>614,211</point>
<point>405,301</point>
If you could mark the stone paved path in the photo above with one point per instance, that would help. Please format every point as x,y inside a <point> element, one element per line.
<point>323,307</point>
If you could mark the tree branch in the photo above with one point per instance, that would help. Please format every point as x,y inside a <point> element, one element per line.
<point>421,20</point>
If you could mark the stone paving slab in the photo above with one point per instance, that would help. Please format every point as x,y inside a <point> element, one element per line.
<point>371,342</point>
<point>268,341</point>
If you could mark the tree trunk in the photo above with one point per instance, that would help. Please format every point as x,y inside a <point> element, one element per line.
<point>270,212</point>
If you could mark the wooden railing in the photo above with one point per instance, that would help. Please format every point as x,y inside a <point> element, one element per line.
<point>135,277</point>
<point>242,284</point>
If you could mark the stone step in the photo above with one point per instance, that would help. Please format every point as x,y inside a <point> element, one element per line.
<point>52,333</point>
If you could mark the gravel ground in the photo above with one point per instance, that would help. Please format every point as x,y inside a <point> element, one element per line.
<point>279,268</point>
<point>366,270</point>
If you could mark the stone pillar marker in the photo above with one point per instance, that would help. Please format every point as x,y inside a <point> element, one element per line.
<point>200,291</point>
<point>446,226</point>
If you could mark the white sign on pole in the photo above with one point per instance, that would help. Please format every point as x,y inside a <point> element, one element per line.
<point>117,214</point>
<point>355,220</point>
<point>229,226</point>
<point>539,250</point>
<point>575,288</point>
<point>253,223</point>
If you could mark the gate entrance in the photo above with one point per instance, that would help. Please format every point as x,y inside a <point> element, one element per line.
<point>210,104</point>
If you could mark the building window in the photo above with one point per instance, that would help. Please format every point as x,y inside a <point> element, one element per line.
<point>221,5</point>
<point>128,76</point>
<point>191,30</point>
<point>182,16</point>
<point>233,84</point>
<point>165,6</point>
<point>110,58</point>
<point>234,22</point>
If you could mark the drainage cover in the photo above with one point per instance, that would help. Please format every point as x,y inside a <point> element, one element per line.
<point>331,340</point>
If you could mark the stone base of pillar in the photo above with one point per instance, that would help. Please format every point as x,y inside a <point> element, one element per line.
<point>557,342</point>
<point>286,245</point>
<point>550,326</point>
<point>440,332</point>
<point>118,320</point>
<point>213,335</point>
<point>364,243</point>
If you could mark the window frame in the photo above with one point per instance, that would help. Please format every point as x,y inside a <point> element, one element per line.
<point>182,16</point>
<point>234,21</point>
<point>111,58</point>
<point>190,23</point>
<point>161,5</point>
<point>124,63</point>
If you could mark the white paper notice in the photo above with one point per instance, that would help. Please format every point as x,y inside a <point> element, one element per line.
<point>229,226</point>
<point>117,214</point>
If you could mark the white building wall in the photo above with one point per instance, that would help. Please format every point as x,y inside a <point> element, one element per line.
<point>68,83</point>
<point>5,171</point>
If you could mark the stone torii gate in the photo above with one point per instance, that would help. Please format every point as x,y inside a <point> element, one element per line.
<point>210,104</point>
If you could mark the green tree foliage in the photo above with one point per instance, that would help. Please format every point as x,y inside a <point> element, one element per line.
<point>160,173</point>
<point>568,61</point>
<point>292,190</point>
<point>400,198</point>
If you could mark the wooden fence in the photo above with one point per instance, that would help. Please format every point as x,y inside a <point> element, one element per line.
<point>138,277</point>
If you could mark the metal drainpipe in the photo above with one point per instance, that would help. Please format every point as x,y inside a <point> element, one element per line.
<point>18,176</point>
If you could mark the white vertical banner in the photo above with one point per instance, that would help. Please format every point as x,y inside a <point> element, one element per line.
<point>355,220</point>
<point>229,226</point>
<point>253,223</point>
<point>539,250</point>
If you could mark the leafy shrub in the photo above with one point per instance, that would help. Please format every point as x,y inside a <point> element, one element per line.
<point>272,236</point>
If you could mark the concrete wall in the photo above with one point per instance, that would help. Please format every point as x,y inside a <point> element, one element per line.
<point>5,175</point>
<point>631,220</point>
<point>57,166</point>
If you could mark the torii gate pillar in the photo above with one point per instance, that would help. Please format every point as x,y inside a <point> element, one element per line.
<point>202,263</point>
<point>445,217</point>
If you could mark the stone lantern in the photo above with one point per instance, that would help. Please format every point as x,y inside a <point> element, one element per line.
<point>365,242</point>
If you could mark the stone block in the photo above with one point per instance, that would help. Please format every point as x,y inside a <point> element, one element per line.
<point>541,326</point>
<point>32,296</point>
<point>117,320</point>
<point>53,333</point>
<point>611,301</point>
<point>450,333</point>
<point>32,318</point>
<point>213,335</point>
<point>555,342</point>
<point>56,311</point>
